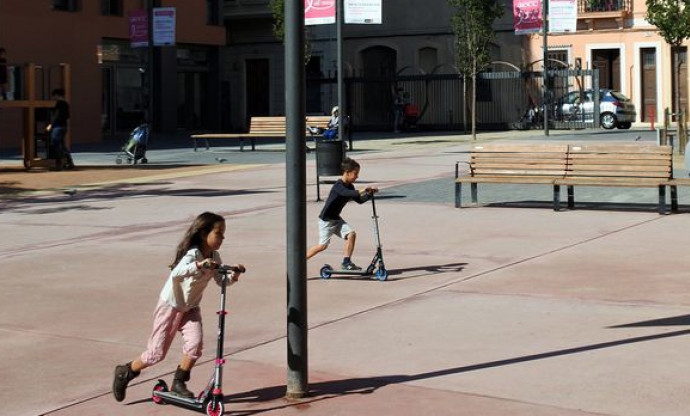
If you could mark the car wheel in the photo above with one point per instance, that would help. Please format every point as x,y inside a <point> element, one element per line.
<point>625,125</point>
<point>608,121</point>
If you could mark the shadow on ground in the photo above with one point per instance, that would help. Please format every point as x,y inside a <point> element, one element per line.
<point>367,385</point>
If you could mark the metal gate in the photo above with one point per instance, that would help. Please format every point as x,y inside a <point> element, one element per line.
<point>505,100</point>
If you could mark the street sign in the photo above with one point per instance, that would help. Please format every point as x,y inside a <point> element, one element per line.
<point>164,26</point>
<point>363,12</point>
<point>319,12</point>
<point>138,28</point>
<point>562,16</point>
<point>527,16</point>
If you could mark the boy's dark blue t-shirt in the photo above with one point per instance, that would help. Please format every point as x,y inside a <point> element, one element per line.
<point>340,195</point>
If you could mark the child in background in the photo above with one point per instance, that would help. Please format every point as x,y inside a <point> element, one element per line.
<point>330,222</point>
<point>194,266</point>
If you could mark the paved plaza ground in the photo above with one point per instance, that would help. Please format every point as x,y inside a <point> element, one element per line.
<point>508,308</point>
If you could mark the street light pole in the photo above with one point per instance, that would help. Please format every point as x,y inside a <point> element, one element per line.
<point>341,76</point>
<point>545,29</point>
<point>296,176</point>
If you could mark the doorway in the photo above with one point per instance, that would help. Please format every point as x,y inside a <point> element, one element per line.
<point>648,81</point>
<point>258,88</point>
<point>191,100</point>
<point>608,62</point>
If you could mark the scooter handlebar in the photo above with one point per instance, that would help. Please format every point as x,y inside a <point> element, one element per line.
<point>226,268</point>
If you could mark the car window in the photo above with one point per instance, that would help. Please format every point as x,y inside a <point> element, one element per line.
<point>619,96</point>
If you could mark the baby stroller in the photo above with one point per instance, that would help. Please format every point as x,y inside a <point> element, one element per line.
<point>135,148</point>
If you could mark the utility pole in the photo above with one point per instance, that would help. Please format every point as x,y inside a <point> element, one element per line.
<point>545,29</point>
<point>296,175</point>
<point>340,17</point>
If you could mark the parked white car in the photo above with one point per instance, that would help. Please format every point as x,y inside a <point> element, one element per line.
<point>615,109</point>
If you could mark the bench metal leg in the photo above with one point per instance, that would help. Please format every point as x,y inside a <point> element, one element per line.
<point>571,197</point>
<point>674,198</point>
<point>556,197</point>
<point>253,145</point>
<point>662,199</point>
<point>458,195</point>
<point>473,188</point>
<point>194,144</point>
<point>208,145</point>
<point>241,144</point>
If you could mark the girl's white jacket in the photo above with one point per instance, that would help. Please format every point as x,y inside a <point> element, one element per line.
<point>185,285</point>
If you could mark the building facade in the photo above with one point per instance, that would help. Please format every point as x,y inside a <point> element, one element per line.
<point>614,37</point>
<point>108,77</point>
<point>415,39</point>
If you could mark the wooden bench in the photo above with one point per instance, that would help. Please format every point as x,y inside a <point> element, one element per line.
<point>505,163</point>
<point>263,127</point>
<point>633,166</point>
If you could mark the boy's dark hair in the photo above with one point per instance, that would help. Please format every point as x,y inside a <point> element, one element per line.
<point>59,92</point>
<point>349,165</point>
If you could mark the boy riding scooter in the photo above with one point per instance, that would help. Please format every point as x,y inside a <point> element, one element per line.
<point>330,221</point>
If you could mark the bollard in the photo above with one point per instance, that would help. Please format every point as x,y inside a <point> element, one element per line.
<point>651,115</point>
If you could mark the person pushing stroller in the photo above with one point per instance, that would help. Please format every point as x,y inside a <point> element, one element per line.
<point>330,221</point>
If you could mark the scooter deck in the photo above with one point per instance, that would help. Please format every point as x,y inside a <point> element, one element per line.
<point>170,397</point>
<point>351,272</point>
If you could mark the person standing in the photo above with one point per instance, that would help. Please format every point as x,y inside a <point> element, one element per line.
<point>58,130</point>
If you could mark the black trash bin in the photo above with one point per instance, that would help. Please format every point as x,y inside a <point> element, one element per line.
<point>329,157</point>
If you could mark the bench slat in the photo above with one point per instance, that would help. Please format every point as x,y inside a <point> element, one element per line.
<point>621,148</point>
<point>574,169</point>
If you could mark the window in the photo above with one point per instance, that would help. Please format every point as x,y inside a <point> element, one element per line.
<point>111,7</point>
<point>66,5</point>
<point>428,59</point>
<point>214,12</point>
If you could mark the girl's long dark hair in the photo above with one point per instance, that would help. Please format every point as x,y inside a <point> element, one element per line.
<point>203,224</point>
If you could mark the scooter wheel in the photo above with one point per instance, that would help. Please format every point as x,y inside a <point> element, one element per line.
<point>160,386</point>
<point>144,160</point>
<point>381,274</point>
<point>215,408</point>
<point>118,161</point>
<point>326,271</point>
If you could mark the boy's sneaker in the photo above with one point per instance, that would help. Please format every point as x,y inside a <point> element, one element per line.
<point>351,267</point>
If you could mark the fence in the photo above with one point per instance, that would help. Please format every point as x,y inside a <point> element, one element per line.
<point>505,100</point>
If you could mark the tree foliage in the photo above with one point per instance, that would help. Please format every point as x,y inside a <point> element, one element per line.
<point>278,10</point>
<point>473,26</point>
<point>672,18</point>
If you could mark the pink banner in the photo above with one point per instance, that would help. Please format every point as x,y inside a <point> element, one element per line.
<point>527,16</point>
<point>319,12</point>
<point>139,28</point>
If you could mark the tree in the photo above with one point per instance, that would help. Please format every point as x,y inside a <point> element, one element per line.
<point>672,18</point>
<point>473,26</point>
<point>278,10</point>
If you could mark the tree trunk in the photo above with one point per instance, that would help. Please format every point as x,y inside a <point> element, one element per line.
<point>676,80</point>
<point>474,99</point>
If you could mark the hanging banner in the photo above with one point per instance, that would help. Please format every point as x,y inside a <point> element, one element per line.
<point>367,12</point>
<point>527,16</point>
<point>562,16</point>
<point>138,29</point>
<point>319,12</point>
<point>164,26</point>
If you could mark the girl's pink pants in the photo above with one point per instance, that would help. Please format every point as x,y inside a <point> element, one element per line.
<point>166,322</point>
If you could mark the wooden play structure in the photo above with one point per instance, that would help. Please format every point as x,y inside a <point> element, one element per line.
<point>35,140</point>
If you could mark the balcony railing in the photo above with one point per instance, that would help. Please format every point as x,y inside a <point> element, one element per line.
<point>603,6</point>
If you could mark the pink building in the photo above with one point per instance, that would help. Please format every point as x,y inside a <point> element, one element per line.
<point>614,37</point>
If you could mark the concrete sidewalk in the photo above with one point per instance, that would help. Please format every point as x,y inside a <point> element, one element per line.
<point>487,311</point>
